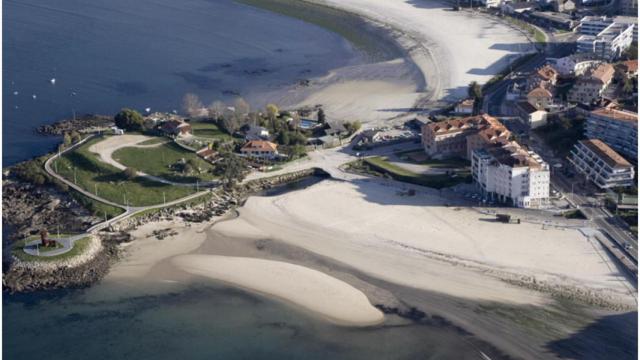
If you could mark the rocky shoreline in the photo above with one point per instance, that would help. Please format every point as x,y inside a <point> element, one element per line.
<point>27,200</point>
<point>83,124</point>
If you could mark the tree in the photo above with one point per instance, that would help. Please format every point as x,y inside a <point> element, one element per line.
<point>283,138</point>
<point>191,104</point>
<point>75,136</point>
<point>231,169</point>
<point>272,113</point>
<point>321,116</point>
<point>230,123</point>
<point>129,119</point>
<point>631,53</point>
<point>242,107</point>
<point>130,173</point>
<point>66,139</point>
<point>216,109</point>
<point>475,92</point>
<point>627,88</point>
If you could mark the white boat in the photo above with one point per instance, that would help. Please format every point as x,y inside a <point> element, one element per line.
<point>34,96</point>
<point>53,81</point>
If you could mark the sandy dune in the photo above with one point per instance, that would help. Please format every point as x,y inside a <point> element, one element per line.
<point>417,242</point>
<point>304,287</point>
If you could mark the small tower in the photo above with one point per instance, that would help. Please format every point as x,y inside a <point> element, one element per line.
<point>44,237</point>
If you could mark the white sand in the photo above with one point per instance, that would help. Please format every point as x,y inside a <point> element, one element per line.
<point>310,289</point>
<point>145,250</point>
<point>466,47</point>
<point>449,49</point>
<point>417,242</point>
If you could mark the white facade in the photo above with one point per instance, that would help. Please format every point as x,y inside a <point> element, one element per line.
<point>605,168</point>
<point>524,186</point>
<point>604,37</point>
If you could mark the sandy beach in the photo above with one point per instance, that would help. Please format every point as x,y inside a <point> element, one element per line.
<point>312,290</point>
<point>420,243</point>
<point>445,51</point>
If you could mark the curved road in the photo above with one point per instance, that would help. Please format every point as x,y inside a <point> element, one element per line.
<point>128,210</point>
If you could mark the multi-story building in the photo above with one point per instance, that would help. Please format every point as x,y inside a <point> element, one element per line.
<point>601,164</point>
<point>545,77</point>
<point>617,128</point>
<point>510,174</point>
<point>594,25</point>
<point>590,86</point>
<point>605,38</point>
<point>458,137</point>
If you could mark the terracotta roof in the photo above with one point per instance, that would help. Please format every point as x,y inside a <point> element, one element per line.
<point>630,65</point>
<point>540,92</point>
<point>614,114</point>
<point>462,124</point>
<point>603,72</point>
<point>205,152</point>
<point>514,155</point>
<point>604,152</point>
<point>547,72</point>
<point>259,145</point>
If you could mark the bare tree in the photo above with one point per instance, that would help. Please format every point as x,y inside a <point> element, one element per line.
<point>253,119</point>
<point>231,123</point>
<point>191,104</point>
<point>216,109</point>
<point>295,120</point>
<point>242,107</point>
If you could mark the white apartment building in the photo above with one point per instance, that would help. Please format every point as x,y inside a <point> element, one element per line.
<point>511,174</point>
<point>601,164</point>
<point>607,38</point>
<point>617,128</point>
<point>593,25</point>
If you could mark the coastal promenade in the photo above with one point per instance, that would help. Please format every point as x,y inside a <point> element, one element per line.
<point>128,210</point>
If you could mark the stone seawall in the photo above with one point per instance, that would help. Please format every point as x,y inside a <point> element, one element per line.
<point>89,267</point>
<point>78,271</point>
<point>218,203</point>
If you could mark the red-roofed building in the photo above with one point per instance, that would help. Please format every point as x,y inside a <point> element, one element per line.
<point>458,137</point>
<point>260,149</point>
<point>601,164</point>
<point>540,98</point>
<point>175,127</point>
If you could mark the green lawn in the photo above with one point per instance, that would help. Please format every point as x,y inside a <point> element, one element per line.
<point>79,247</point>
<point>111,183</point>
<point>97,208</point>
<point>381,165</point>
<point>155,140</point>
<point>157,161</point>
<point>419,157</point>
<point>209,130</point>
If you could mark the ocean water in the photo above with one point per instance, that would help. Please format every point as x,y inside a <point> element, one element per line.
<point>106,55</point>
<point>203,321</point>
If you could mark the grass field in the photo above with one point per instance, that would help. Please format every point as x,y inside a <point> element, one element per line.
<point>79,247</point>
<point>209,130</point>
<point>157,161</point>
<point>380,165</point>
<point>155,140</point>
<point>86,169</point>
<point>419,157</point>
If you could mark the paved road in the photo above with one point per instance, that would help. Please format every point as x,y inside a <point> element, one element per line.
<point>128,210</point>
